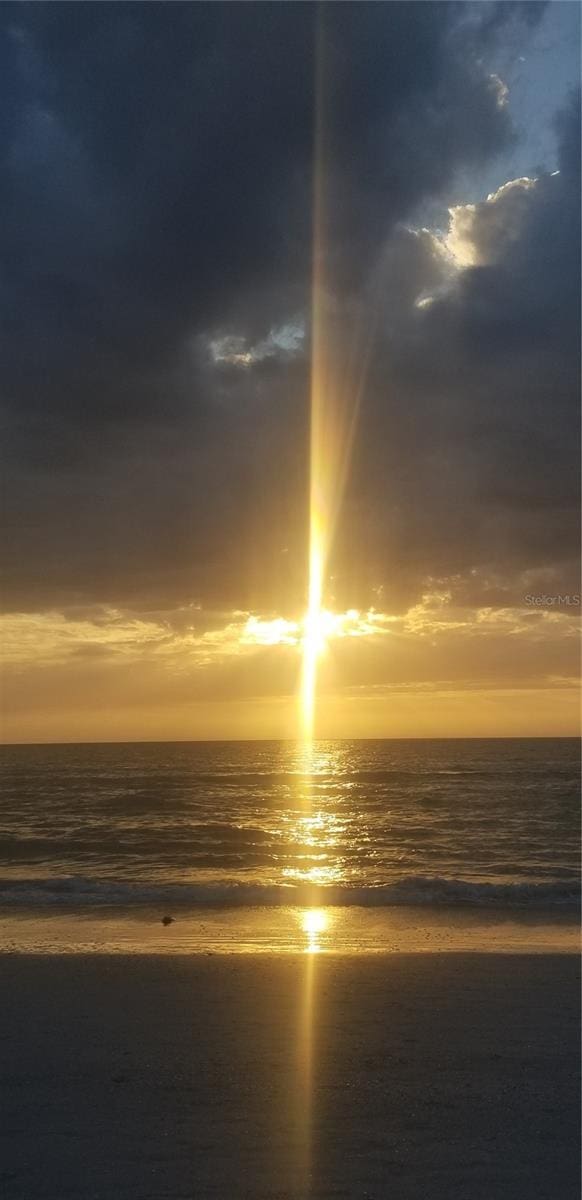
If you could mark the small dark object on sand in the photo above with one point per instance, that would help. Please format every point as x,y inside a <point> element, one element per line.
<point>167,920</point>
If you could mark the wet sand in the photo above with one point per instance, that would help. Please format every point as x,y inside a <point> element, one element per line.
<point>281,930</point>
<point>263,1077</point>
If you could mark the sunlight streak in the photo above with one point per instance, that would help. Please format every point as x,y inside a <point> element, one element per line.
<point>313,639</point>
<point>338,375</point>
<point>320,431</point>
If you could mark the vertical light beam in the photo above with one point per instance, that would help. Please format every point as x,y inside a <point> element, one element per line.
<point>318,478</point>
<point>318,535</point>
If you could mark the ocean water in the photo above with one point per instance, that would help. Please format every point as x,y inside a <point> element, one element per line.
<point>375,824</point>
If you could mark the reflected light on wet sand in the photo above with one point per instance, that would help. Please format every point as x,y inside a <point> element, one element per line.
<point>314,922</point>
<point>305,1053</point>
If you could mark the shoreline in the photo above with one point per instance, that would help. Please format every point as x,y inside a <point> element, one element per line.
<point>288,930</point>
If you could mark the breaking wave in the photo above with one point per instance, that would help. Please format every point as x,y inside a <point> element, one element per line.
<point>78,892</point>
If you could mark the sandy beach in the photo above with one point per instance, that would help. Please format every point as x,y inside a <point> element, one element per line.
<point>438,1076</point>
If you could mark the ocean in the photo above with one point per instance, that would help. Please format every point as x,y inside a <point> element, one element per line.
<point>367,823</point>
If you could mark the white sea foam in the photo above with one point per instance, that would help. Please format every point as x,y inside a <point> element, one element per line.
<point>414,891</point>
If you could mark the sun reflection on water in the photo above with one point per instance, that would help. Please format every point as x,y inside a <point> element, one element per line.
<point>315,840</point>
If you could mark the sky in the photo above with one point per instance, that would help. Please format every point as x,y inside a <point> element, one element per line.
<point>216,220</point>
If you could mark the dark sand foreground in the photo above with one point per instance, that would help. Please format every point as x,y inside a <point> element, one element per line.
<point>413,1077</point>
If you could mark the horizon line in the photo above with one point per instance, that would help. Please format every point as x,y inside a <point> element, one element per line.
<point>525,737</point>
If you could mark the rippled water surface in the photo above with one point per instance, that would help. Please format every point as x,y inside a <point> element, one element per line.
<point>374,822</point>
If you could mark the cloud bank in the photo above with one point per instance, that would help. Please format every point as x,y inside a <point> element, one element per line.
<point>156,250</point>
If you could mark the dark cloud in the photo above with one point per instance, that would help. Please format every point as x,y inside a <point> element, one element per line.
<point>157,168</point>
<point>158,165</point>
<point>471,433</point>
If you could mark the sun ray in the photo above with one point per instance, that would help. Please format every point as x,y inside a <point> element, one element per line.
<point>318,481</point>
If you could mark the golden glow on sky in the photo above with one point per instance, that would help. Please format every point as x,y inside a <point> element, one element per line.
<point>314,637</point>
<point>439,668</point>
<point>190,638</point>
